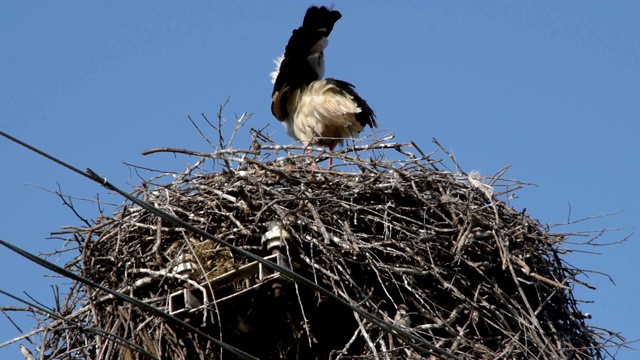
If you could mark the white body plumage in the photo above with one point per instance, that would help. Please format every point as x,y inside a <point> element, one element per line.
<point>323,114</point>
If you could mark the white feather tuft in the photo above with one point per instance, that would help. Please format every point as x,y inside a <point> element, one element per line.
<point>476,180</point>
<point>274,73</point>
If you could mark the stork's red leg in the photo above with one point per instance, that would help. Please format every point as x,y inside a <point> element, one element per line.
<point>310,155</point>
<point>331,147</point>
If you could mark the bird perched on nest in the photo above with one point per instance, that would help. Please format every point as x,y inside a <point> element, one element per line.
<point>314,110</point>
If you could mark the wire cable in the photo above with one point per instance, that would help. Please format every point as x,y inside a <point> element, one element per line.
<point>94,330</point>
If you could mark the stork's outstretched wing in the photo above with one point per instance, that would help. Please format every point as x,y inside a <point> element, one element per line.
<point>303,60</point>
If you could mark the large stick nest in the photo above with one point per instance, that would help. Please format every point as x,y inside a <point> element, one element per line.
<point>388,229</point>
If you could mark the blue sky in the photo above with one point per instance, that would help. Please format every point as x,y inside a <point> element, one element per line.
<point>550,88</point>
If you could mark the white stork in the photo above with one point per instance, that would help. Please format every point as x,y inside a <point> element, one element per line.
<point>314,110</point>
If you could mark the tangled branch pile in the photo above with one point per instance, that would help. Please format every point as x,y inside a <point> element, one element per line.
<point>432,251</point>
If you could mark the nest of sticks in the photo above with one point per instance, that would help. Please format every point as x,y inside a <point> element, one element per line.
<point>389,229</point>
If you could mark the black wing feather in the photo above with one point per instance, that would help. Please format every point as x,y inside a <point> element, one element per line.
<point>365,117</point>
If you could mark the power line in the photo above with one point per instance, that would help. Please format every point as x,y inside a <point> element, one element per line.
<point>94,330</point>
